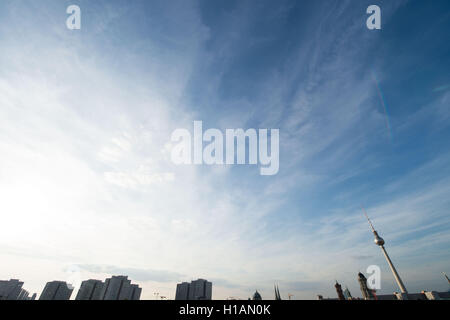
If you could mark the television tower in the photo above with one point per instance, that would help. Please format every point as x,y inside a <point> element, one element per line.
<point>380,242</point>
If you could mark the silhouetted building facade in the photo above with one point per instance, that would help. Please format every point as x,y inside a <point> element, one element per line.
<point>119,288</point>
<point>90,290</point>
<point>196,290</point>
<point>366,292</point>
<point>200,290</point>
<point>12,290</point>
<point>56,290</point>
<point>339,291</point>
<point>182,292</point>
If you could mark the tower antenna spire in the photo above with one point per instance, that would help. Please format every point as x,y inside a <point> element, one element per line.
<point>368,220</point>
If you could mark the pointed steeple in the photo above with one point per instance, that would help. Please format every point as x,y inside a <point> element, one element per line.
<point>347,293</point>
<point>277,293</point>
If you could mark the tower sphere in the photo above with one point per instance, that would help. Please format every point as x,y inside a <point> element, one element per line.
<point>379,241</point>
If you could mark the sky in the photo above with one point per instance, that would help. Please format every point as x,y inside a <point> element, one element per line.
<point>88,188</point>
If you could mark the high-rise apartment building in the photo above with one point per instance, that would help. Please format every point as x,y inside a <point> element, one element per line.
<point>56,290</point>
<point>339,291</point>
<point>12,290</point>
<point>120,288</point>
<point>182,292</point>
<point>365,290</point>
<point>196,290</point>
<point>200,290</point>
<point>90,290</point>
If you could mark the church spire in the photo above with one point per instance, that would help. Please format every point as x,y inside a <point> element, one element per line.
<point>277,292</point>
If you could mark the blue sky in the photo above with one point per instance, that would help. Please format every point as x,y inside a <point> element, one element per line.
<point>86,118</point>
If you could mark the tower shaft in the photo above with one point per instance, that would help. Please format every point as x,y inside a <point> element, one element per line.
<point>394,271</point>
